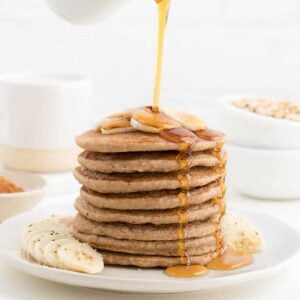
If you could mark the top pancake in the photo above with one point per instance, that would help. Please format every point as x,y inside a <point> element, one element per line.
<point>132,142</point>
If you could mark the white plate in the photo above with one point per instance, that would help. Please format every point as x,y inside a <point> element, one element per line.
<point>282,244</point>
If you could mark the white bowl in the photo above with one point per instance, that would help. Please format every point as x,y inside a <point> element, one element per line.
<point>268,174</point>
<point>14,203</point>
<point>257,131</point>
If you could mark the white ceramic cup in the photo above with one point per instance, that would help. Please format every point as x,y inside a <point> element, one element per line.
<point>84,12</point>
<point>39,116</point>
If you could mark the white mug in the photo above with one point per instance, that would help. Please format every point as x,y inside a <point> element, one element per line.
<point>40,114</point>
<point>84,12</point>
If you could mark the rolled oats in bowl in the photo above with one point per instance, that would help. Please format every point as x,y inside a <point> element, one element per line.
<point>279,109</point>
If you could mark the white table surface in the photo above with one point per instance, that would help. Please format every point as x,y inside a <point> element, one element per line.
<point>285,285</point>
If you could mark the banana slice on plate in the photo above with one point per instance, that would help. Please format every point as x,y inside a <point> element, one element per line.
<point>188,121</point>
<point>38,252</point>
<point>51,254</point>
<point>34,238</point>
<point>80,257</point>
<point>30,236</point>
<point>45,229</point>
<point>240,234</point>
<point>51,243</point>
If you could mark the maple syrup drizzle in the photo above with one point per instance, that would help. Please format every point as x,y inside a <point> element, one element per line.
<point>186,271</point>
<point>219,238</point>
<point>186,141</point>
<point>163,12</point>
<point>230,260</point>
<point>212,135</point>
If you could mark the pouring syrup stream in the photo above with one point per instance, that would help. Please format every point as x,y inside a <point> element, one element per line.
<point>163,12</point>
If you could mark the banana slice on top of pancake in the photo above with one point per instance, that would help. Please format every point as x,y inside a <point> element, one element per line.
<point>144,119</point>
<point>51,243</point>
<point>116,123</point>
<point>186,120</point>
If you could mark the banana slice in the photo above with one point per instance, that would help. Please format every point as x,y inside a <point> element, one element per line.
<point>34,239</point>
<point>39,247</point>
<point>141,127</point>
<point>51,243</point>
<point>240,234</point>
<point>148,121</point>
<point>80,257</point>
<point>29,236</point>
<point>43,228</point>
<point>116,123</point>
<point>117,130</point>
<point>51,253</point>
<point>186,120</point>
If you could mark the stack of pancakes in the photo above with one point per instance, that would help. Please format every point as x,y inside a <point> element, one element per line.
<point>133,208</point>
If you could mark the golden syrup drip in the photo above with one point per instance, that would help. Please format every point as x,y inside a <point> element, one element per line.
<point>223,187</point>
<point>184,180</point>
<point>184,198</point>
<point>219,239</point>
<point>181,136</point>
<point>186,271</point>
<point>212,135</point>
<point>183,220</point>
<point>230,260</point>
<point>221,203</point>
<point>163,12</point>
<point>222,161</point>
<point>220,170</point>
<point>184,161</point>
<point>186,140</point>
<point>217,153</point>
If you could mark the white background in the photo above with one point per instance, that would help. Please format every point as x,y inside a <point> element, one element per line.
<point>213,47</point>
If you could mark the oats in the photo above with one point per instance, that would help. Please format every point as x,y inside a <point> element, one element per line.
<point>282,109</point>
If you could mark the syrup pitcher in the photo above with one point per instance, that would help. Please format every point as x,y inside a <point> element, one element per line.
<point>84,12</point>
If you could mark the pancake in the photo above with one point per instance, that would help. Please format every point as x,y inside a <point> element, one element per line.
<point>137,141</point>
<point>137,182</point>
<point>150,200</point>
<point>195,246</point>
<point>143,232</point>
<point>145,161</point>
<point>147,261</point>
<point>170,216</point>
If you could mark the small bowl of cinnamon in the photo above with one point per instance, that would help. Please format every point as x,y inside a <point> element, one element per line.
<point>19,192</point>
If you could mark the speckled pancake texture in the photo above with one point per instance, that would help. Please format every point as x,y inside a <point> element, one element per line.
<point>142,204</point>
